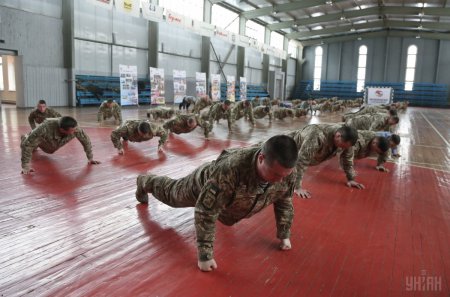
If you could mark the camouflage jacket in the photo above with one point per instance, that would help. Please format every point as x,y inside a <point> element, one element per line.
<point>129,131</point>
<point>232,191</point>
<point>180,125</point>
<point>239,110</point>
<point>362,147</point>
<point>372,122</point>
<point>366,110</point>
<point>49,139</point>
<point>162,112</point>
<point>106,112</point>
<point>259,112</point>
<point>283,112</point>
<point>216,113</point>
<point>200,104</point>
<point>38,117</point>
<point>316,144</point>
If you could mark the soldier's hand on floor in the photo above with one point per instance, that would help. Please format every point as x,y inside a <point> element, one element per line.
<point>160,149</point>
<point>93,162</point>
<point>27,170</point>
<point>352,183</point>
<point>285,244</point>
<point>381,168</point>
<point>396,156</point>
<point>121,152</point>
<point>303,193</point>
<point>209,265</point>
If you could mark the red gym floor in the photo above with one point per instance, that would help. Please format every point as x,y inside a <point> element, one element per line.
<point>73,229</point>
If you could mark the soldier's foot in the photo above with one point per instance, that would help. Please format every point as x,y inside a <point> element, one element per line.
<point>141,194</point>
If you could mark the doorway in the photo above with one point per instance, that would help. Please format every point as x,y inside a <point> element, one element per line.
<point>8,76</point>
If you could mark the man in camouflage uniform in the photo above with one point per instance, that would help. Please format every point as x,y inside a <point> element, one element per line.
<point>41,113</point>
<point>237,185</point>
<point>373,122</point>
<point>109,109</point>
<point>368,143</point>
<point>52,135</point>
<point>218,111</point>
<point>201,103</point>
<point>260,112</point>
<point>317,143</point>
<point>256,101</point>
<point>185,124</point>
<point>163,113</point>
<point>137,131</point>
<point>283,112</point>
<point>394,141</point>
<point>241,109</point>
<point>371,109</point>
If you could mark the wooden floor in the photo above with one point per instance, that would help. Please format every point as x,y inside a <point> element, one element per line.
<point>76,230</point>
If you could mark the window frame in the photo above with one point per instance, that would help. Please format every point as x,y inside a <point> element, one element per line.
<point>411,52</point>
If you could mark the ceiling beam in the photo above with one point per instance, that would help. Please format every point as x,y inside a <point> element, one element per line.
<point>298,4</point>
<point>215,1</point>
<point>336,30</point>
<point>382,33</point>
<point>396,10</point>
<point>384,24</point>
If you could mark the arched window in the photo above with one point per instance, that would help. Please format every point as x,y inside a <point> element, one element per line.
<point>410,67</point>
<point>362,62</point>
<point>318,68</point>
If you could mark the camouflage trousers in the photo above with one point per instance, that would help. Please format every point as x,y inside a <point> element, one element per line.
<point>182,192</point>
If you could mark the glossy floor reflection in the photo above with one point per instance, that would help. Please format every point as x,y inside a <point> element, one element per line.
<point>76,230</point>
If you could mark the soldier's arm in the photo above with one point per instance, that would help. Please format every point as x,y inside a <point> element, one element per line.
<point>162,134</point>
<point>100,113</point>
<point>55,114</point>
<point>117,134</point>
<point>284,214</point>
<point>215,195</point>
<point>229,119</point>
<point>119,113</point>
<point>251,116</point>
<point>347,163</point>
<point>83,138</point>
<point>310,145</point>
<point>29,144</point>
<point>376,125</point>
<point>31,120</point>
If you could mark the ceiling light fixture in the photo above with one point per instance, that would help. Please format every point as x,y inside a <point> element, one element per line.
<point>359,38</point>
<point>329,2</point>
<point>352,29</point>
<point>420,27</point>
<point>342,18</point>
<point>418,36</point>
<point>421,14</point>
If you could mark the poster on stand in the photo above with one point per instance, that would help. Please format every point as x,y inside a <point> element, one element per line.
<point>215,87</point>
<point>200,84</point>
<point>157,85</point>
<point>179,85</point>
<point>379,95</point>
<point>243,88</point>
<point>231,82</point>
<point>128,85</point>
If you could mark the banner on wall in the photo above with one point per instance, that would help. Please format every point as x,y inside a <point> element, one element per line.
<point>380,95</point>
<point>179,85</point>
<point>200,84</point>
<point>103,3</point>
<point>231,82</point>
<point>128,85</point>
<point>129,7</point>
<point>178,19</point>
<point>215,87</point>
<point>152,12</point>
<point>243,88</point>
<point>157,85</point>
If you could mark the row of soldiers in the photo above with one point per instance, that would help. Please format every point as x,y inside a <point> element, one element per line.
<point>368,118</point>
<point>241,181</point>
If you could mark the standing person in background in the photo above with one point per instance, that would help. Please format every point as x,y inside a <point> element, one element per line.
<point>41,113</point>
